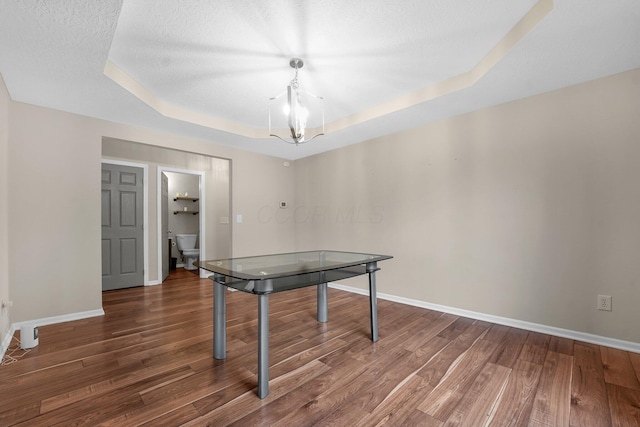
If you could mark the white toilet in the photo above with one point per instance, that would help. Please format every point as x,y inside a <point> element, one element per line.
<point>187,245</point>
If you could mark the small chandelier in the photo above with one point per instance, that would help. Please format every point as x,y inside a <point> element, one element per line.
<point>297,117</point>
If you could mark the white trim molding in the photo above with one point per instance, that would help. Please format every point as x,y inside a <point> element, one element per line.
<point>529,326</point>
<point>59,319</point>
<point>6,342</point>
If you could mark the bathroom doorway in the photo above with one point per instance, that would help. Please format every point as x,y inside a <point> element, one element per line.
<point>181,209</point>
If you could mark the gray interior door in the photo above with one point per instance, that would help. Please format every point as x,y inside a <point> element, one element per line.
<point>164,235</point>
<point>122,232</point>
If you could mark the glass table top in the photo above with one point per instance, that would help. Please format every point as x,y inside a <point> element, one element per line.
<point>290,264</point>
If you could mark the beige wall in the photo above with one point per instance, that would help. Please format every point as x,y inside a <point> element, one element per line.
<point>528,210</point>
<point>54,212</point>
<point>259,185</point>
<point>54,205</point>
<point>5,319</point>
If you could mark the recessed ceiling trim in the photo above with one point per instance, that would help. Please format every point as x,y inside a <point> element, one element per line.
<point>462,81</point>
<point>167,109</point>
<point>528,22</point>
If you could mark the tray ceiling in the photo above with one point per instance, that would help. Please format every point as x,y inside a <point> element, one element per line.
<point>207,69</point>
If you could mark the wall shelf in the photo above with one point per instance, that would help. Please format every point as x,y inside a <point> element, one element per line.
<point>193,199</point>
<point>186,212</point>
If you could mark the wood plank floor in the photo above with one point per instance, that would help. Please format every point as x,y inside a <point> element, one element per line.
<point>149,362</point>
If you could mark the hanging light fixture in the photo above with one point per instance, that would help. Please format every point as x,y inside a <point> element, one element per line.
<point>297,117</point>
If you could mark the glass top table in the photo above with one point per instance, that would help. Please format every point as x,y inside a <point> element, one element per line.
<point>267,274</point>
<point>282,272</point>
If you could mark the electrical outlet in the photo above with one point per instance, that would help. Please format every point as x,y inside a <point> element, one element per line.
<point>604,302</point>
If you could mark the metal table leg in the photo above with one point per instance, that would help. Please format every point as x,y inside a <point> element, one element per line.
<point>322,300</point>
<point>323,305</point>
<point>372,267</point>
<point>263,345</point>
<point>219,319</point>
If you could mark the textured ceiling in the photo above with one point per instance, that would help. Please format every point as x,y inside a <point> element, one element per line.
<point>207,69</point>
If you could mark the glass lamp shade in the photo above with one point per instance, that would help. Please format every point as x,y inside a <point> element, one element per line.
<point>296,116</point>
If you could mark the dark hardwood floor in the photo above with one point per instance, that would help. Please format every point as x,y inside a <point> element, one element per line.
<point>149,362</point>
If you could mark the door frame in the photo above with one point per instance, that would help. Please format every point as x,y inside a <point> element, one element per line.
<point>202,213</point>
<point>145,210</point>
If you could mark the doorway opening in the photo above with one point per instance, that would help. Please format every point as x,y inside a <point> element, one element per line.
<point>214,212</point>
<point>181,214</point>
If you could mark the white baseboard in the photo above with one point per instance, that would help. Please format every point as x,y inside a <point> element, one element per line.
<point>529,326</point>
<point>46,321</point>
<point>59,319</point>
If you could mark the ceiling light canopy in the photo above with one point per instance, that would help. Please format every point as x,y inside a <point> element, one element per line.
<point>296,116</point>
